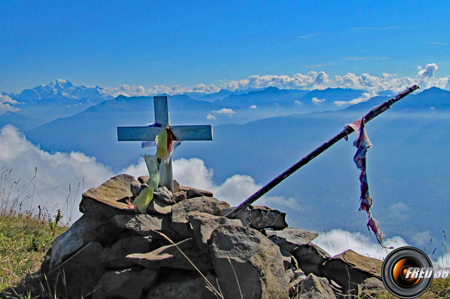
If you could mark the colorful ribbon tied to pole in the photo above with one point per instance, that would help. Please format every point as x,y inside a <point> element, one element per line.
<point>362,143</point>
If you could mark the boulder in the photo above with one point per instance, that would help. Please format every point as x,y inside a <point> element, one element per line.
<point>147,225</point>
<point>265,217</point>
<point>105,201</point>
<point>164,195</point>
<point>290,238</point>
<point>310,257</point>
<point>247,261</point>
<point>143,179</point>
<point>183,285</point>
<point>142,224</point>
<point>260,217</point>
<point>159,207</point>
<point>204,224</point>
<point>82,232</point>
<point>176,186</point>
<point>204,204</point>
<point>179,196</point>
<point>349,269</point>
<point>370,287</point>
<point>77,276</point>
<point>115,256</point>
<point>128,283</point>
<point>244,216</point>
<point>194,192</point>
<point>170,256</point>
<point>294,284</point>
<point>137,187</point>
<point>314,287</point>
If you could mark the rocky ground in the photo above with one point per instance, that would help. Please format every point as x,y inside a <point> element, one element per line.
<point>184,248</point>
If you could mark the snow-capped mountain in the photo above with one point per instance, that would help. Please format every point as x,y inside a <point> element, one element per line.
<point>45,103</point>
<point>63,89</point>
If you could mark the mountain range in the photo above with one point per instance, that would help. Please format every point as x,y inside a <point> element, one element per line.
<point>57,99</point>
<point>61,98</point>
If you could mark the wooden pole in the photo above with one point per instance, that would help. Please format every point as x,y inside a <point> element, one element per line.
<point>348,130</point>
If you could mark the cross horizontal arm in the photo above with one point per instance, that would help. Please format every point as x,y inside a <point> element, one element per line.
<point>199,132</point>
<point>182,133</point>
<point>137,133</point>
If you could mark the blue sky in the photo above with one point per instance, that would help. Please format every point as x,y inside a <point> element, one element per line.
<point>110,43</point>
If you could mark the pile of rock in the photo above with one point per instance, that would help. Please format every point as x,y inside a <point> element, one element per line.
<point>185,248</point>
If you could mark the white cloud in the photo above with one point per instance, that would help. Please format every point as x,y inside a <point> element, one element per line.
<point>337,241</point>
<point>443,261</point>
<point>363,98</point>
<point>425,78</point>
<point>7,99</point>
<point>298,102</point>
<point>253,107</point>
<point>210,116</point>
<point>321,78</point>
<point>313,80</point>
<point>422,238</point>
<point>226,111</point>
<point>133,91</point>
<point>6,104</point>
<point>317,101</point>
<point>235,189</point>
<point>55,172</point>
<point>206,88</point>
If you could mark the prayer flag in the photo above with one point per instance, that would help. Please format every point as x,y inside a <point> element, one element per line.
<point>362,143</point>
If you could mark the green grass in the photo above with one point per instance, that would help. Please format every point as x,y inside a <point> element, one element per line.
<point>439,289</point>
<point>24,240</point>
<point>25,236</point>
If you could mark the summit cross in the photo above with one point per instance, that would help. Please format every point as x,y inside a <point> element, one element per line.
<point>182,133</point>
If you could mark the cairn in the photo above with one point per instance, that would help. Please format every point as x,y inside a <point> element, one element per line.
<point>184,247</point>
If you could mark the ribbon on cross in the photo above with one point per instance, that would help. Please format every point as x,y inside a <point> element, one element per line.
<point>362,143</point>
<point>174,143</point>
<point>165,142</point>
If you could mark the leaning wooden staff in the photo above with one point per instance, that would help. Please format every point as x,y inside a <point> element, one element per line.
<point>343,134</point>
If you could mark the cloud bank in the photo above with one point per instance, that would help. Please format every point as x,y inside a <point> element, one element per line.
<point>338,240</point>
<point>425,78</point>
<point>46,179</point>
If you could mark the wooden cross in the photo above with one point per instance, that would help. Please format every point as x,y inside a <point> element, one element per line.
<point>182,133</point>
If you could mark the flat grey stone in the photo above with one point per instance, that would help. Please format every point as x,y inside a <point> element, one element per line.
<point>170,256</point>
<point>203,204</point>
<point>204,224</point>
<point>128,283</point>
<point>314,287</point>
<point>77,276</point>
<point>245,253</point>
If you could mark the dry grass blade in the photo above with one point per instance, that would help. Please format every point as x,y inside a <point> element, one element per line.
<point>210,285</point>
<point>235,275</point>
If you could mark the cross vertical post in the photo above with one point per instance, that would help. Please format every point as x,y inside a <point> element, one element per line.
<point>162,117</point>
<point>182,133</point>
